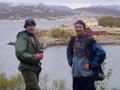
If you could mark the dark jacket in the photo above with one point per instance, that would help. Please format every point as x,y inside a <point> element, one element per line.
<point>26,49</point>
<point>94,51</point>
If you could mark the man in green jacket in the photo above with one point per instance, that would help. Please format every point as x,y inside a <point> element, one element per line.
<point>29,52</point>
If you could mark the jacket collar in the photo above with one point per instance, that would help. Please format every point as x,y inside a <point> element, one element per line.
<point>28,37</point>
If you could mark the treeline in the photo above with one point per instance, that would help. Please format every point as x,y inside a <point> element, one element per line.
<point>109,21</point>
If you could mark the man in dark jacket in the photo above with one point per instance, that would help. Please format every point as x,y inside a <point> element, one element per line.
<point>29,52</point>
<point>85,57</point>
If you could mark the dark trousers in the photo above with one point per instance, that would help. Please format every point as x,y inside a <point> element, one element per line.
<point>31,80</point>
<point>83,83</point>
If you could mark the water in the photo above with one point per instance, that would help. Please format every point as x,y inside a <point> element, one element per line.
<point>9,29</point>
<point>8,32</point>
<point>54,62</point>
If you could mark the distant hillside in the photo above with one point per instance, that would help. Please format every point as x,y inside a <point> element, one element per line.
<point>9,11</point>
<point>115,7</point>
<point>100,11</point>
<point>38,11</point>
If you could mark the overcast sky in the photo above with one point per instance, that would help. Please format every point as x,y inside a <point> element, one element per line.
<point>69,3</point>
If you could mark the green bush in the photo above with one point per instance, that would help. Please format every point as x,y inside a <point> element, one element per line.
<point>56,33</point>
<point>41,33</point>
<point>4,82</point>
<point>109,21</point>
<point>12,83</point>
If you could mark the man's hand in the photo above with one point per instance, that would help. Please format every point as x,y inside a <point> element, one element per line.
<point>39,56</point>
<point>86,66</point>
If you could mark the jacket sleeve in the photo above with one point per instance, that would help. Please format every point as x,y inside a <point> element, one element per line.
<point>39,45</point>
<point>21,52</point>
<point>98,55</point>
<point>70,51</point>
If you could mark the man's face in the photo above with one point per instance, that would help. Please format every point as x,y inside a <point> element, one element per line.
<point>79,29</point>
<point>30,28</point>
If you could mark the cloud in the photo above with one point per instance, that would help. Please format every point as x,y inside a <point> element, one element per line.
<point>69,3</point>
<point>63,1</point>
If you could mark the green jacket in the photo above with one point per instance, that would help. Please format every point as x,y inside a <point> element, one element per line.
<point>25,49</point>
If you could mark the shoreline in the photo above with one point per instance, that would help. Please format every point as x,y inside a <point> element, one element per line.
<point>61,36</point>
<point>65,44</point>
